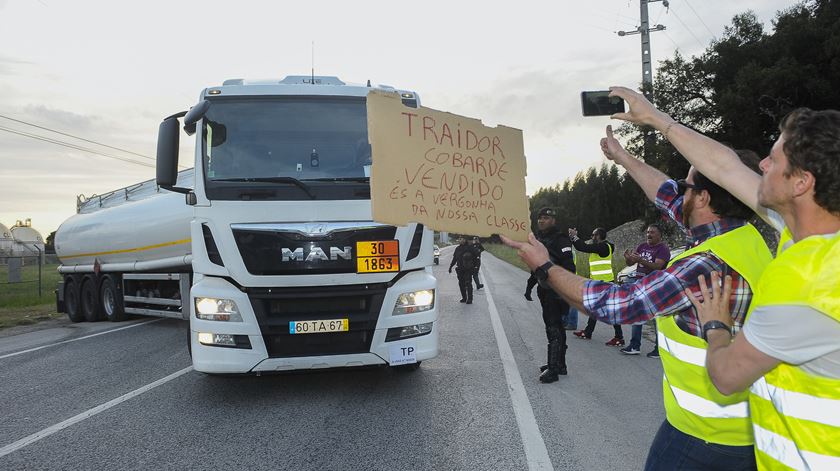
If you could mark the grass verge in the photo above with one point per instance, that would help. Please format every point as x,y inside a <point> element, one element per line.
<point>11,317</point>
<point>507,254</point>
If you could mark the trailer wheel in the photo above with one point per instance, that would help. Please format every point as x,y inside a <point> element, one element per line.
<point>71,300</point>
<point>90,306</point>
<point>111,299</point>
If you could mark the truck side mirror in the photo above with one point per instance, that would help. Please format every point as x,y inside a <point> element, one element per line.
<point>167,154</point>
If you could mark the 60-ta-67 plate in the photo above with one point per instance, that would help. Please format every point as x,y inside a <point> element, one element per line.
<point>319,327</point>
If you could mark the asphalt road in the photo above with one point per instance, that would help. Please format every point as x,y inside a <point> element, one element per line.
<point>123,396</point>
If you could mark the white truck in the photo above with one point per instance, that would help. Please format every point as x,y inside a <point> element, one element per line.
<point>274,257</point>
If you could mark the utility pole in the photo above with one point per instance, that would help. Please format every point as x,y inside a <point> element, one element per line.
<point>644,30</point>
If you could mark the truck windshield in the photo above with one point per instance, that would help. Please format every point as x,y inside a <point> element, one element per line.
<point>275,143</point>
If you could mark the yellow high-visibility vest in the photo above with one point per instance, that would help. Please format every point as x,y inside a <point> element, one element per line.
<point>693,404</point>
<point>795,414</point>
<point>600,268</point>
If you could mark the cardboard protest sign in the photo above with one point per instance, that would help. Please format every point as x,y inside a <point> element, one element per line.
<point>448,172</point>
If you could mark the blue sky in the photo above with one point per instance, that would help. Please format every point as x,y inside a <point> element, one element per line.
<point>109,71</point>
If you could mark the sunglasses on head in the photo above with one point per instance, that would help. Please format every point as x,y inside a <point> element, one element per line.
<point>683,185</point>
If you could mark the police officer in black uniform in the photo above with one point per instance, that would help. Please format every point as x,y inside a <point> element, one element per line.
<point>463,259</point>
<point>554,308</point>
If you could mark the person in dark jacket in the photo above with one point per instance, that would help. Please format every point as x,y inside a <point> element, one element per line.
<point>464,261</point>
<point>475,244</point>
<point>600,252</point>
<point>554,308</point>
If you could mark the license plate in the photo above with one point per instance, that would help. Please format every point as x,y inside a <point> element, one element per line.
<point>378,256</point>
<point>319,327</point>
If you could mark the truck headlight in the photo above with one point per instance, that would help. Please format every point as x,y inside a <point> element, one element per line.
<point>416,301</point>
<point>213,309</point>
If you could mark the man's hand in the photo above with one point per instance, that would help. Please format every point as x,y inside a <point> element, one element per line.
<point>631,257</point>
<point>641,110</point>
<point>613,150</point>
<point>533,252</point>
<point>573,233</point>
<point>450,269</point>
<point>714,306</point>
<point>528,296</point>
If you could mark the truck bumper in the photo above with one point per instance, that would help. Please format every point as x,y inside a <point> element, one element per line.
<point>217,359</point>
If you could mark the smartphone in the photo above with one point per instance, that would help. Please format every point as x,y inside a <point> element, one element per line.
<point>600,103</point>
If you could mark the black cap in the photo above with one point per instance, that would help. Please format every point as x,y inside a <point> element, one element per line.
<point>546,212</point>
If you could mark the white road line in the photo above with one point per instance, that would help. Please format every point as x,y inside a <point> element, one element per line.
<point>87,414</point>
<point>535,452</point>
<point>80,338</point>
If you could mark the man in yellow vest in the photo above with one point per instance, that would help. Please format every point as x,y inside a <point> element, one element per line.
<point>704,429</point>
<point>600,252</point>
<point>789,353</point>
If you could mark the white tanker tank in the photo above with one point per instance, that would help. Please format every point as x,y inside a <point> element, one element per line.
<point>106,230</point>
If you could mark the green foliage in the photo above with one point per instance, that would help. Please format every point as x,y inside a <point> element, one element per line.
<point>597,198</point>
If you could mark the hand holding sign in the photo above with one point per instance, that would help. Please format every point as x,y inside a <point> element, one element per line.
<point>448,172</point>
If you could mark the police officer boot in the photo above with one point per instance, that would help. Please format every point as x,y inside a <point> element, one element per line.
<point>551,374</point>
<point>562,361</point>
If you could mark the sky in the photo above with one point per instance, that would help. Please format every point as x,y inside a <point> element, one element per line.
<point>110,71</point>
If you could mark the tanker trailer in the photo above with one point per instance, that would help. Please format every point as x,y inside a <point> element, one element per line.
<point>270,251</point>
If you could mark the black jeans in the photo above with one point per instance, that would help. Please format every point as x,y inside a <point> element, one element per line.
<point>475,276</point>
<point>674,450</point>
<point>465,283</point>
<point>590,327</point>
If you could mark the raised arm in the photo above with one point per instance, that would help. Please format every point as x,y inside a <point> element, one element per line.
<point>647,177</point>
<point>711,158</point>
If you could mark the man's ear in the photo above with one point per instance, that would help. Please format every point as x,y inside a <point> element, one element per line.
<point>803,182</point>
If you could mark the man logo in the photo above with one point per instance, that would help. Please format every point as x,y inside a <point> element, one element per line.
<point>316,254</point>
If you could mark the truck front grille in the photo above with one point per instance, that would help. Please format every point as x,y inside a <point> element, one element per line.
<point>276,307</point>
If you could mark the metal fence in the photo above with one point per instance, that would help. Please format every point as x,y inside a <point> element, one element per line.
<point>25,277</point>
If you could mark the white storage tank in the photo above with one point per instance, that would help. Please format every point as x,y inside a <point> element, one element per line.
<point>6,242</point>
<point>27,241</point>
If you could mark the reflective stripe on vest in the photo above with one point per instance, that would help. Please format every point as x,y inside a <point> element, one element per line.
<point>785,451</point>
<point>600,268</point>
<point>706,408</point>
<point>795,414</point>
<point>693,404</point>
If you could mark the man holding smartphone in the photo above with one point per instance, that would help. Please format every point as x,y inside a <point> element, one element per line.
<point>704,429</point>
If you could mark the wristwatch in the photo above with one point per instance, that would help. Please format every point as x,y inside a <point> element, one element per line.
<point>712,325</point>
<point>541,272</point>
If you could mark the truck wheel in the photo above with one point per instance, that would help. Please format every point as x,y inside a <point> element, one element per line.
<point>71,300</point>
<point>111,299</point>
<point>90,307</point>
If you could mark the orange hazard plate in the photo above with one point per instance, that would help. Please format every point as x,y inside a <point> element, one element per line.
<point>378,256</point>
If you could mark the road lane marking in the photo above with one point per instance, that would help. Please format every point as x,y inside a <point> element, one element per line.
<point>536,453</point>
<point>12,447</point>
<point>80,338</point>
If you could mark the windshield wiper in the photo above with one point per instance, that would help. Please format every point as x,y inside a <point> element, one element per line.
<point>339,179</point>
<point>288,180</point>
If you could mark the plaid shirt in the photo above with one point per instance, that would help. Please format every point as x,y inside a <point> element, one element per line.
<point>661,292</point>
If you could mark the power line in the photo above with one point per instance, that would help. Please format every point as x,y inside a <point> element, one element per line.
<point>73,146</point>
<point>699,18</point>
<point>688,29</point>
<point>75,137</point>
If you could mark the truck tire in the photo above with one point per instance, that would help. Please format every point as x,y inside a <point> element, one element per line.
<point>89,300</point>
<point>110,296</point>
<point>72,300</point>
